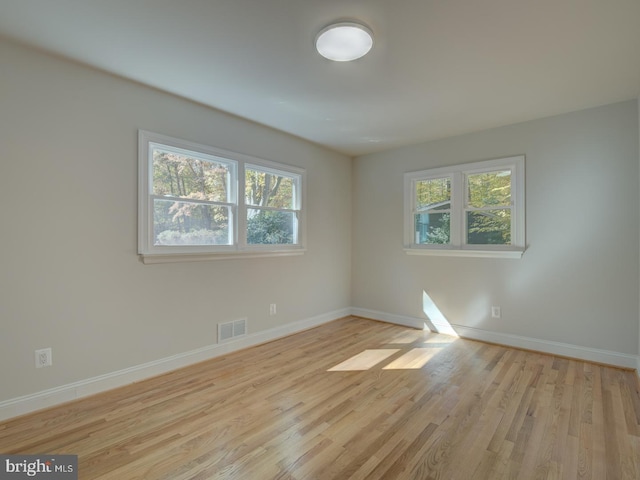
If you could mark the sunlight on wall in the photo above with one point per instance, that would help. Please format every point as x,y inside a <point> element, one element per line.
<point>438,320</point>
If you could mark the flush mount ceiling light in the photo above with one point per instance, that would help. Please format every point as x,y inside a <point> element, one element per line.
<point>344,41</point>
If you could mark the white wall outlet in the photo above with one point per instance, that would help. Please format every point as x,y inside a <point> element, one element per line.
<point>272,309</point>
<point>496,312</point>
<point>44,358</point>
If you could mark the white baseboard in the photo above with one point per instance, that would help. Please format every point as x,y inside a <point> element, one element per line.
<point>55,396</point>
<point>546,346</point>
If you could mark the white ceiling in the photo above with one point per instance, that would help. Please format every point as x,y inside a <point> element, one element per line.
<point>438,67</point>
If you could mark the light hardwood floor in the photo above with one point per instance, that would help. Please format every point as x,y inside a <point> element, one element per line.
<point>354,399</point>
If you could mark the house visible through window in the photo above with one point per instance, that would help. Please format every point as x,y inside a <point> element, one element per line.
<point>191,202</point>
<point>475,209</point>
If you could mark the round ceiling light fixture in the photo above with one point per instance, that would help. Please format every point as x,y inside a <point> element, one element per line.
<point>344,41</point>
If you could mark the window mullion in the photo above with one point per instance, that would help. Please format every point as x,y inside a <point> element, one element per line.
<point>191,200</point>
<point>489,209</point>
<point>240,224</point>
<point>457,209</point>
<point>516,200</point>
<point>273,209</point>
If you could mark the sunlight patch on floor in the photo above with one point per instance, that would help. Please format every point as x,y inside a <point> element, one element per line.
<point>364,360</point>
<point>440,340</point>
<point>413,359</point>
<point>406,337</point>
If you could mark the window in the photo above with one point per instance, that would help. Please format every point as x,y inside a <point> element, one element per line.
<point>475,209</point>
<point>198,203</point>
<point>272,216</point>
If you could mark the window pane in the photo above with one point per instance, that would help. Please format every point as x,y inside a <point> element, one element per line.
<point>489,227</point>
<point>270,227</point>
<point>434,193</point>
<point>189,177</point>
<point>432,228</point>
<point>184,223</point>
<point>489,189</point>
<point>268,190</point>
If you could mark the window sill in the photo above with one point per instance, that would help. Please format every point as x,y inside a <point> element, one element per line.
<point>467,252</point>
<point>150,259</point>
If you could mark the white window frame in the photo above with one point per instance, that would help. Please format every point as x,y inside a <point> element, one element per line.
<point>237,162</point>
<point>458,175</point>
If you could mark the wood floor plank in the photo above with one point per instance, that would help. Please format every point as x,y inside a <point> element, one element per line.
<point>354,399</point>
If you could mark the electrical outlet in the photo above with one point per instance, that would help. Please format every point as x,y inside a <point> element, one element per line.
<point>272,309</point>
<point>43,358</point>
<point>496,312</point>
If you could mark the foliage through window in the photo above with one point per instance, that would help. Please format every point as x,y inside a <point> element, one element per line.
<point>472,209</point>
<point>271,198</point>
<point>191,198</point>
<point>189,201</point>
<point>488,208</point>
<point>433,210</point>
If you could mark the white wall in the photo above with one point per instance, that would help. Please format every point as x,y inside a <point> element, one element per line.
<point>576,284</point>
<point>70,278</point>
